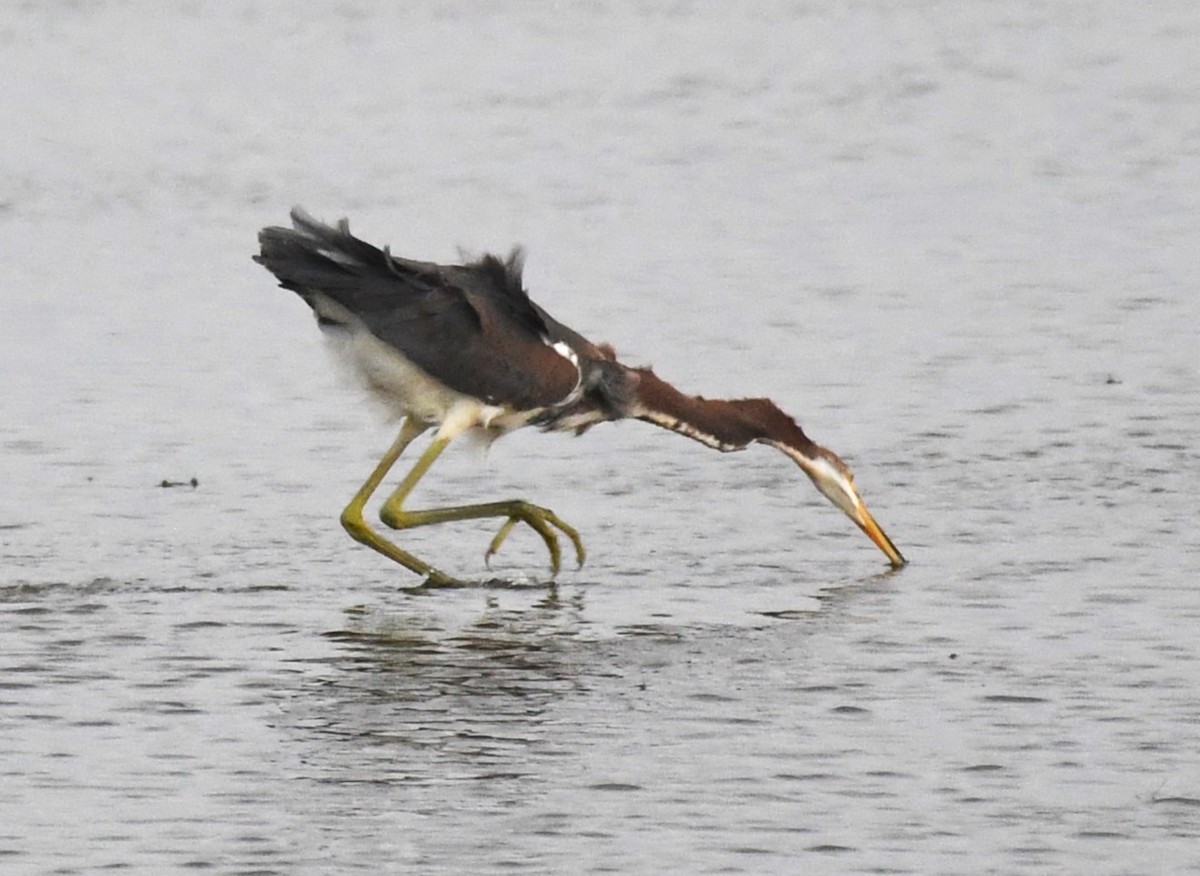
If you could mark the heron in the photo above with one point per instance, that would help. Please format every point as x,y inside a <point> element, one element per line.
<point>463,349</point>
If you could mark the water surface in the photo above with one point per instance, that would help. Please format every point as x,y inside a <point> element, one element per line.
<point>957,241</point>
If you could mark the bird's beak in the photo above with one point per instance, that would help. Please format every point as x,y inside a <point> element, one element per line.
<point>874,532</point>
<point>832,477</point>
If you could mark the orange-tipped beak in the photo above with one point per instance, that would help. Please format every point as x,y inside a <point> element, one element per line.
<point>833,478</point>
<point>873,530</point>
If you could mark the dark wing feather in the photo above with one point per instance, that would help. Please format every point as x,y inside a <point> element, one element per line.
<point>498,282</point>
<point>472,327</point>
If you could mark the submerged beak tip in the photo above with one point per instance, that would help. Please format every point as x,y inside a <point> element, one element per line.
<point>837,485</point>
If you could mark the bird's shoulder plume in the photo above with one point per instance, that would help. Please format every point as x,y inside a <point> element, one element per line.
<point>498,283</point>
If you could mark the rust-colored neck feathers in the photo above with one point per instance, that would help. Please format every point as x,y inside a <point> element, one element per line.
<point>722,424</point>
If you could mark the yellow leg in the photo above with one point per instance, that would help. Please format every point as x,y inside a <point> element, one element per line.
<point>541,520</point>
<point>352,516</point>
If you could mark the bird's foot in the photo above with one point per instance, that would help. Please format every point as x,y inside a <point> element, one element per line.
<point>434,578</point>
<point>543,521</point>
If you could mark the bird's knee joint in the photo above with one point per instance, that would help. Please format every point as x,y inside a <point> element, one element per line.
<point>354,524</point>
<point>393,518</point>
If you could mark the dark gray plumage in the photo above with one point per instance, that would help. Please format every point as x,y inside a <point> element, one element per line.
<point>462,348</point>
<point>471,327</point>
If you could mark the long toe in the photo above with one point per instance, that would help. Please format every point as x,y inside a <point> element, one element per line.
<point>541,528</point>
<point>544,522</point>
<point>570,532</point>
<point>498,540</point>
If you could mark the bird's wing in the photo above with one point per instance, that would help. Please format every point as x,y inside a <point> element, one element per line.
<point>472,327</point>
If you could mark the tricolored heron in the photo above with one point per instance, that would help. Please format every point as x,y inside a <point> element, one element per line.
<point>463,348</point>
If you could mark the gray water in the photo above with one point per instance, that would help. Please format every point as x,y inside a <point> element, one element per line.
<point>960,242</point>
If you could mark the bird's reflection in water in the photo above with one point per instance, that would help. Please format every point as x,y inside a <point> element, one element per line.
<point>835,593</point>
<point>415,691</point>
<point>478,684</point>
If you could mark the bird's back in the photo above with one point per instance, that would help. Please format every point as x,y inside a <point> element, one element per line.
<point>470,328</point>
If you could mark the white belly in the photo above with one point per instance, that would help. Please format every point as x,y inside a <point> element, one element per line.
<point>405,390</point>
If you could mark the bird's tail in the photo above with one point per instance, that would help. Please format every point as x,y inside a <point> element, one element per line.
<point>312,256</point>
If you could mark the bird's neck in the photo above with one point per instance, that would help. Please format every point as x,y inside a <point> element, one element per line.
<point>723,424</point>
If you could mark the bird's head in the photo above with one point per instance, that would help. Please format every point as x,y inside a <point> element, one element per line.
<point>733,424</point>
<point>836,482</point>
